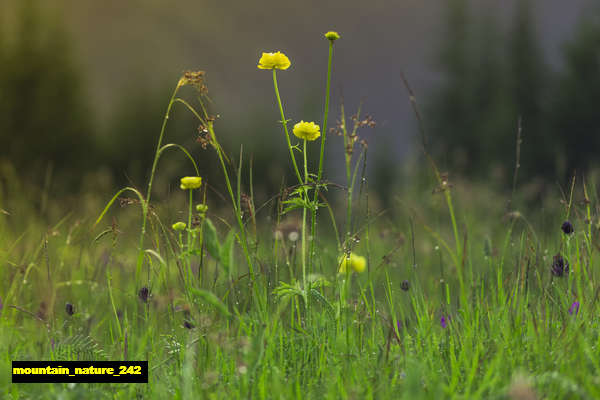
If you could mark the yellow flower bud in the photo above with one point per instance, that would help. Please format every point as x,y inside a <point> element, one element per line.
<point>332,35</point>
<point>179,226</point>
<point>276,60</point>
<point>356,262</point>
<point>202,208</point>
<point>191,182</point>
<point>307,130</point>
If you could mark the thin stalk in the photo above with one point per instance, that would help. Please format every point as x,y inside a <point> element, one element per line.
<point>326,113</point>
<point>321,156</point>
<point>146,202</point>
<point>233,200</point>
<point>190,244</point>
<point>304,220</point>
<point>284,122</point>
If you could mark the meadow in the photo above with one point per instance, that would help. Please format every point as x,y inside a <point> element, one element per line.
<point>459,290</point>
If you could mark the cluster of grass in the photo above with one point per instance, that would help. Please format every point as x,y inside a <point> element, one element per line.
<point>452,295</point>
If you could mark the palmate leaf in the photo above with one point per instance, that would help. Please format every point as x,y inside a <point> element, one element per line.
<point>78,347</point>
<point>285,292</point>
<point>294,204</point>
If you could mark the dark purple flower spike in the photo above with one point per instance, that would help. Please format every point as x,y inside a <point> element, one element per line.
<point>574,308</point>
<point>567,227</point>
<point>444,321</point>
<point>560,266</point>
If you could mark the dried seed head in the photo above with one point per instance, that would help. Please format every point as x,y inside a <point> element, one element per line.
<point>195,79</point>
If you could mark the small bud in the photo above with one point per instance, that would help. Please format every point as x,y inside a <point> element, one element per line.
<point>202,208</point>
<point>332,35</point>
<point>69,309</point>
<point>179,226</point>
<point>190,182</point>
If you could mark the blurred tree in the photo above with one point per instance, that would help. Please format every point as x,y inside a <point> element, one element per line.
<point>490,103</point>
<point>44,120</point>
<point>451,111</point>
<point>526,77</point>
<point>489,82</point>
<point>575,115</point>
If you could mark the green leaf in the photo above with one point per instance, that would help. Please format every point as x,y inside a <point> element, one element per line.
<point>212,240</point>
<point>226,252</point>
<point>156,255</point>
<point>212,299</point>
<point>316,295</point>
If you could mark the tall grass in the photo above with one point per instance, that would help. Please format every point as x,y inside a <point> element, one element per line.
<point>449,295</point>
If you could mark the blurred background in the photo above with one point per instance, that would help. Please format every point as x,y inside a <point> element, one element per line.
<point>84,87</point>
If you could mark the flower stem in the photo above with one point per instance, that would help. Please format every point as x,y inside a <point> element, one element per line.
<point>146,202</point>
<point>304,220</point>
<point>326,113</point>
<point>190,242</point>
<point>284,122</point>
<point>321,156</point>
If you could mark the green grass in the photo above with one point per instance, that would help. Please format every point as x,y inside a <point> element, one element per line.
<point>236,311</point>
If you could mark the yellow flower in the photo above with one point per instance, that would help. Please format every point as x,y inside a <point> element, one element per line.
<point>332,35</point>
<point>307,130</point>
<point>356,262</point>
<point>179,226</point>
<point>191,182</point>
<point>274,61</point>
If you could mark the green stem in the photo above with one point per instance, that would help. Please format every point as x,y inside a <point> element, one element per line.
<point>321,156</point>
<point>284,122</point>
<point>233,201</point>
<point>149,192</point>
<point>190,243</point>
<point>304,221</point>
<point>326,113</point>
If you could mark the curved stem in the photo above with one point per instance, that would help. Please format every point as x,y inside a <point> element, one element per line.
<point>284,122</point>
<point>149,192</point>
